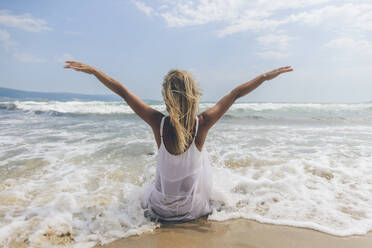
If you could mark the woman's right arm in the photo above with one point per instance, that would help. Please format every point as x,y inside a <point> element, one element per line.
<point>212,115</point>
<point>144,111</point>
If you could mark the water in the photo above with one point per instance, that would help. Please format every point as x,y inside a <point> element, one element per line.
<point>71,173</point>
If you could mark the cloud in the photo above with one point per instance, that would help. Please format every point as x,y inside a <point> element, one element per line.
<point>249,25</point>
<point>5,40</point>
<point>288,4</point>
<point>351,46</point>
<point>28,58</point>
<point>278,41</point>
<point>348,16</point>
<point>143,7</point>
<point>4,35</point>
<point>236,16</point>
<point>25,22</point>
<point>275,46</point>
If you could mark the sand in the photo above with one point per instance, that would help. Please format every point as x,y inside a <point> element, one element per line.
<point>239,233</point>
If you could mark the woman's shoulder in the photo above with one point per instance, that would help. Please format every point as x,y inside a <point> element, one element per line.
<point>201,133</point>
<point>156,120</point>
<point>202,120</point>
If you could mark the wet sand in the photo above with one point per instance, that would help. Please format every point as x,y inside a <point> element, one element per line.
<point>239,233</point>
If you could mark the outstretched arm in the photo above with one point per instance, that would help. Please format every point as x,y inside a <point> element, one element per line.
<point>144,111</point>
<point>212,115</point>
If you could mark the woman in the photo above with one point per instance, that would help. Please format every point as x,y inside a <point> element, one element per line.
<point>183,178</point>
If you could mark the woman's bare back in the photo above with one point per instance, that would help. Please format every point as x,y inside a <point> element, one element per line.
<point>169,141</point>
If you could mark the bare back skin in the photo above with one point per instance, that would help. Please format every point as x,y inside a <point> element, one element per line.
<point>168,133</point>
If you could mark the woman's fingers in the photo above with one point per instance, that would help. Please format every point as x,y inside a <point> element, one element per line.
<point>72,66</point>
<point>285,69</point>
<point>78,66</point>
<point>288,70</point>
<point>71,62</point>
<point>274,73</point>
<point>75,63</point>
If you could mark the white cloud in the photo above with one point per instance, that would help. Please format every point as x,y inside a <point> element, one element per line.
<point>289,4</point>
<point>163,7</point>
<point>28,58</point>
<point>236,15</point>
<point>274,46</point>
<point>25,22</point>
<point>249,25</point>
<point>4,35</point>
<point>187,13</point>
<point>350,46</point>
<point>245,14</point>
<point>348,16</point>
<point>143,7</point>
<point>260,15</point>
<point>5,40</point>
<point>278,41</point>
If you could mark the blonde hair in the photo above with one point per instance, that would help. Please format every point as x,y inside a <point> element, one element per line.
<point>181,96</point>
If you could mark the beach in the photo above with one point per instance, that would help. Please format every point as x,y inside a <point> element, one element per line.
<point>281,157</point>
<point>72,173</point>
<point>238,233</point>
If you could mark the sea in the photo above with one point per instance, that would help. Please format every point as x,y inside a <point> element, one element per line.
<point>72,172</point>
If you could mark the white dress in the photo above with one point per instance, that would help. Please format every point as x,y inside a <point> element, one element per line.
<point>182,186</point>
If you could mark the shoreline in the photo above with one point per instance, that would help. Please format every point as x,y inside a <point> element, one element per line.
<point>238,233</point>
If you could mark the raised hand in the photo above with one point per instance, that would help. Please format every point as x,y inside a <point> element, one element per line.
<point>274,73</point>
<point>78,66</point>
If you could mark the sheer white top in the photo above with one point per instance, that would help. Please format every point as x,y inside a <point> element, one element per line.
<point>182,185</point>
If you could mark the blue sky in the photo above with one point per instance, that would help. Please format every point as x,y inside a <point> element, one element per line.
<point>222,43</point>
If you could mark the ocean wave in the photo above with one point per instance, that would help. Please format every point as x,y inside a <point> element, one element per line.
<point>8,106</point>
<point>72,108</point>
<point>254,111</point>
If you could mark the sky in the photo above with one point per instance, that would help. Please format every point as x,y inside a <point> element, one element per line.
<point>222,43</point>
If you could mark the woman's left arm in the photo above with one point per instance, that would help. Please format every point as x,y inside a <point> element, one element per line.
<point>144,111</point>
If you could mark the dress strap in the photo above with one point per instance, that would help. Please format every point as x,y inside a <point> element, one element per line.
<point>196,128</point>
<point>161,126</point>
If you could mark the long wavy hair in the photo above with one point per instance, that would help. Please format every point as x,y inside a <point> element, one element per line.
<point>181,96</point>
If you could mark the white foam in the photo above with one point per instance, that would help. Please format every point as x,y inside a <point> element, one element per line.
<point>61,207</point>
<point>321,185</point>
<point>76,107</point>
<point>98,107</point>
